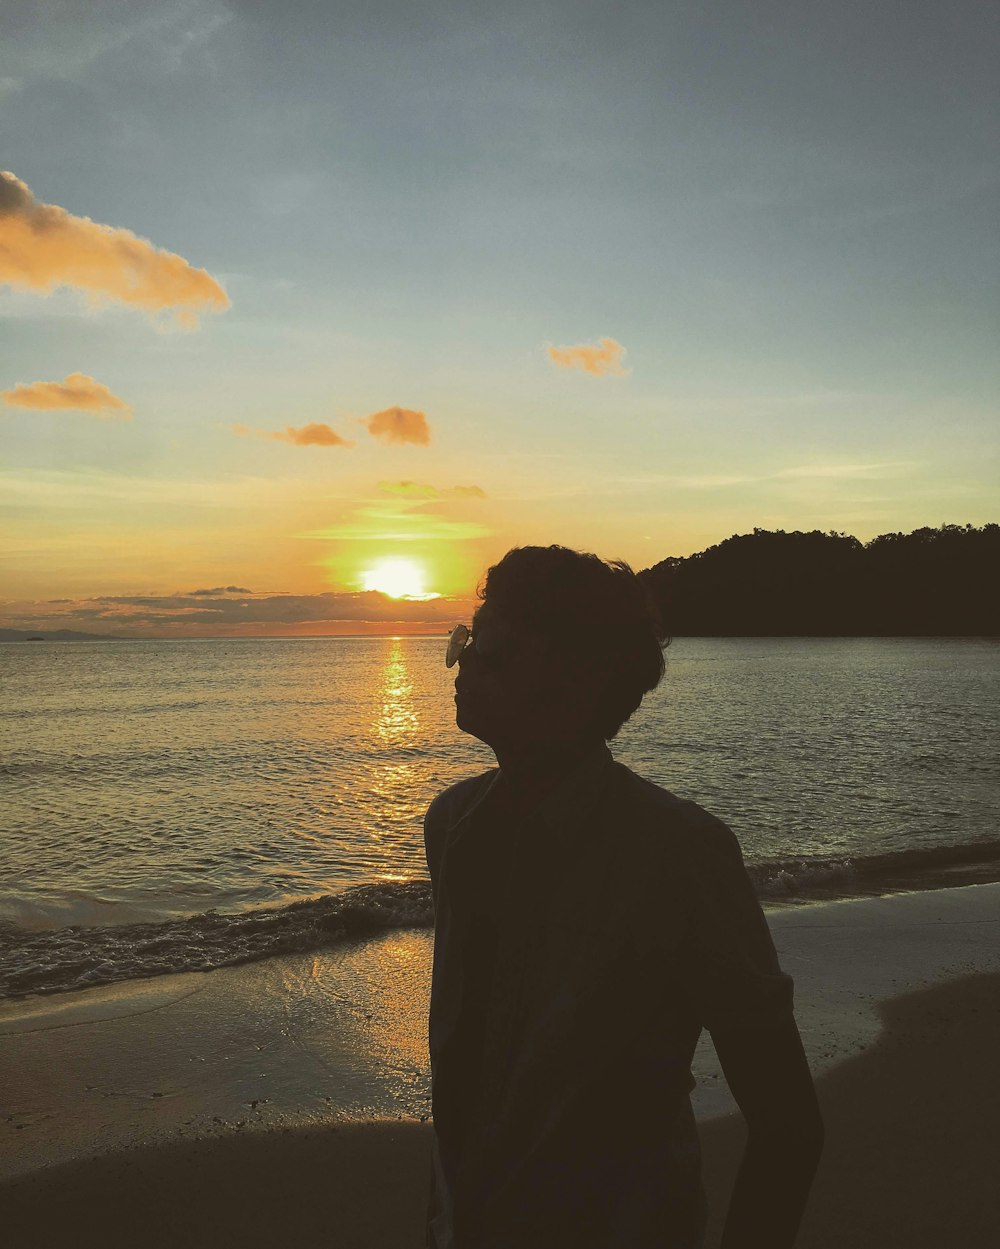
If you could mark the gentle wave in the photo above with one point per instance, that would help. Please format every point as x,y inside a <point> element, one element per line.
<point>80,958</point>
<point>853,874</point>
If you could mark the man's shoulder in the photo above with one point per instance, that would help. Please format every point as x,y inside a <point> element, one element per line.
<point>678,850</point>
<point>664,820</point>
<point>456,801</point>
<point>450,806</point>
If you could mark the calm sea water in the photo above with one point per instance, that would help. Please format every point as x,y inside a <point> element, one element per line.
<point>158,794</point>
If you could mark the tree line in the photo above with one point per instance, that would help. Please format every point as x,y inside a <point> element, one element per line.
<point>931,582</point>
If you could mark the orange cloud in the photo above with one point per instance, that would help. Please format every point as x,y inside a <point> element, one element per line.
<point>399,425</point>
<point>76,391</point>
<point>314,435</point>
<point>602,359</point>
<point>418,490</point>
<point>43,247</point>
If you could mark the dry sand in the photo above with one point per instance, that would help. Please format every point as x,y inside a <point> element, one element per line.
<point>913,1146</point>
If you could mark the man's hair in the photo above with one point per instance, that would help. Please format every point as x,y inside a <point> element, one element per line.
<point>590,614</point>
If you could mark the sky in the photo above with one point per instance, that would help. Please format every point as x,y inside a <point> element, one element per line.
<point>310,310</point>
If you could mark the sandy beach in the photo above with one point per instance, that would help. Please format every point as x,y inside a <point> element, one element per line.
<point>117,1135</point>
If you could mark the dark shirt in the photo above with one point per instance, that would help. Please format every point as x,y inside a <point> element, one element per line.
<point>578,953</point>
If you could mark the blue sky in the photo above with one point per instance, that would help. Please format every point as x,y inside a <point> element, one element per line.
<point>784,214</point>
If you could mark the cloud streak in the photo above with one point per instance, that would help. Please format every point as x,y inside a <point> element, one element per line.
<point>883,471</point>
<point>391,523</point>
<point>846,471</point>
<point>78,391</point>
<point>232,611</point>
<point>420,490</point>
<point>391,426</point>
<point>600,359</point>
<point>219,589</point>
<point>314,435</point>
<point>43,247</point>
<point>399,425</point>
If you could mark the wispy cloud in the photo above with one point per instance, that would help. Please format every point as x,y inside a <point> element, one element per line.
<point>885,470</point>
<point>219,589</point>
<point>399,425</point>
<point>600,359</point>
<point>420,490</point>
<point>43,247</point>
<point>57,490</point>
<point>78,40</point>
<point>314,435</point>
<point>708,481</point>
<point>400,522</point>
<point>870,471</point>
<point>77,391</point>
<point>226,612</point>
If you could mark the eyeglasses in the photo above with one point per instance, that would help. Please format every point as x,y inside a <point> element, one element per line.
<point>494,645</point>
<point>457,642</point>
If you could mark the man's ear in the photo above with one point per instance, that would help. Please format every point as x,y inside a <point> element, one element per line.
<point>581,691</point>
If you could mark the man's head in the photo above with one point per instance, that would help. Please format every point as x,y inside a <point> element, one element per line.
<point>564,648</point>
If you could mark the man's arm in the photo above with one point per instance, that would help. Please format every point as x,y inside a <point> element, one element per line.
<point>436,822</point>
<point>767,1072</point>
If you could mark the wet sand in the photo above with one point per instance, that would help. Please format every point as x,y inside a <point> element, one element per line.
<point>912,1127</point>
<point>280,1101</point>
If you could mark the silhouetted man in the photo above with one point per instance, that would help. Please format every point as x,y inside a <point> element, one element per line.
<point>588,925</point>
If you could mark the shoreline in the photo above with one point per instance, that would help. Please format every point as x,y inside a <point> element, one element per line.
<point>850,957</point>
<point>338,1036</point>
<point>42,962</point>
<point>909,1161</point>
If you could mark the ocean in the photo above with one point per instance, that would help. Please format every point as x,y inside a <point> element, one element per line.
<point>184,805</point>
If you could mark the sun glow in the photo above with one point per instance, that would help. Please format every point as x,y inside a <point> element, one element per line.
<point>399,578</point>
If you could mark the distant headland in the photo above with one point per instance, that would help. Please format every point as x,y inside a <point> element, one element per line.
<point>928,583</point>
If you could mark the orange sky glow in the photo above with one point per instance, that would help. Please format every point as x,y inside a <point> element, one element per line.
<point>266,329</point>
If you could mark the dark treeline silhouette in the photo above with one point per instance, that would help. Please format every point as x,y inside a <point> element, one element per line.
<point>931,582</point>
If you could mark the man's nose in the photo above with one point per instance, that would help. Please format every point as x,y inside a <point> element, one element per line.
<point>471,657</point>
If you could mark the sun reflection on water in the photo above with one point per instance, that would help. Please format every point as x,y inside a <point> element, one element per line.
<point>397,722</point>
<point>396,783</point>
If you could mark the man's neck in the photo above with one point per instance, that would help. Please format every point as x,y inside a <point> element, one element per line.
<point>530,775</point>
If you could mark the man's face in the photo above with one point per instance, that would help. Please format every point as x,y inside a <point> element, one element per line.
<point>508,692</point>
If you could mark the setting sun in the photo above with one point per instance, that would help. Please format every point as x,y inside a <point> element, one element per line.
<point>399,578</point>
